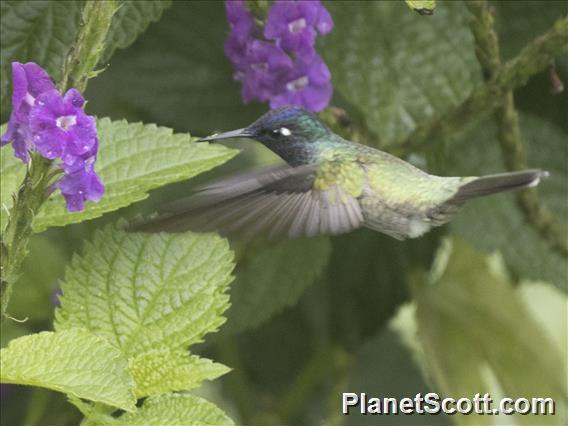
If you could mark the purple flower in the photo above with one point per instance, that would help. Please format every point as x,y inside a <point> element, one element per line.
<point>29,82</point>
<point>267,67</point>
<point>58,128</point>
<point>279,64</point>
<point>81,185</point>
<point>293,24</point>
<point>309,86</point>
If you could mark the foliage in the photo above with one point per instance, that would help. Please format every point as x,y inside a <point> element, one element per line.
<point>75,362</point>
<point>271,278</point>
<point>476,306</point>
<point>463,349</point>
<point>419,85</point>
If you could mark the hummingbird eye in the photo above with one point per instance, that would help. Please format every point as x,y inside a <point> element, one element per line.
<point>282,131</point>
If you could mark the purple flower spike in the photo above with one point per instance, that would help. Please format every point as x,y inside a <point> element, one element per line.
<point>309,86</point>
<point>58,128</point>
<point>29,82</point>
<point>279,64</point>
<point>293,25</point>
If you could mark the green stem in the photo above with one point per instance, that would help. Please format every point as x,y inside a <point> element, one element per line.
<point>82,60</point>
<point>27,201</point>
<point>534,58</point>
<point>33,191</point>
<point>509,135</point>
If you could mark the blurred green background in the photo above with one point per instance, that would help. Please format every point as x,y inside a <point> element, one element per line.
<point>313,318</point>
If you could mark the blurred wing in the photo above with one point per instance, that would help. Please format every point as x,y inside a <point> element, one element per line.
<point>278,201</point>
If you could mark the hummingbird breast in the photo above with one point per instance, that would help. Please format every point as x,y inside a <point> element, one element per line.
<point>395,197</point>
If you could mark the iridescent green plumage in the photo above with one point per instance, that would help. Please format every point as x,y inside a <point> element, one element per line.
<point>327,186</point>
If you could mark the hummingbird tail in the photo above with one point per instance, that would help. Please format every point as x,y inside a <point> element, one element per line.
<point>492,184</point>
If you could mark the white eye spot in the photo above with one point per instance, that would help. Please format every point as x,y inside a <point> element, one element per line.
<point>284,131</point>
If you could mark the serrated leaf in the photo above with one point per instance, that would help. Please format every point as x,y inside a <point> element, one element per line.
<point>272,278</point>
<point>143,291</point>
<point>174,410</point>
<point>131,20</point>
<point>37,31</point>
<point>478,336</point>
<point>176,74</point>
<point>73,361</point>
<point>423,7</point>
<point>164,370</point>
<point>496,223</point>
<point>403,71</point>
<point>133,159</point>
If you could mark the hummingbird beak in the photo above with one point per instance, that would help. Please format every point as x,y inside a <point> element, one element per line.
<point>239,133</point>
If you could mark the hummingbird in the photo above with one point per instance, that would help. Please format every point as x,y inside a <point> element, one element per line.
<point>326,185</point>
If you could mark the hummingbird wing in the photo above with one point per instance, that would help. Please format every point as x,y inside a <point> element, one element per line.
<point>280,201</point>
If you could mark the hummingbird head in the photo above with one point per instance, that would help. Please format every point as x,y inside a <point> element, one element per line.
<point>287,125</point>
<point>288,131</point>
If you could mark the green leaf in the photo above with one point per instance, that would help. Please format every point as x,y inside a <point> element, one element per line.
<point>496,223</point>
<point>195,90</point>
<point>37,31</point>
<point>403,71</point>
<point>164,370</point>
<point>144,292</point>
<point>274,277</point>
<point>472,326</point>
<point>12,172</point>
<point>548,305</point>
<point>131,20</point>
<point>73,361</point>
<point>174,410</point>
<point>423,7</point>
<point>133,159</point>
